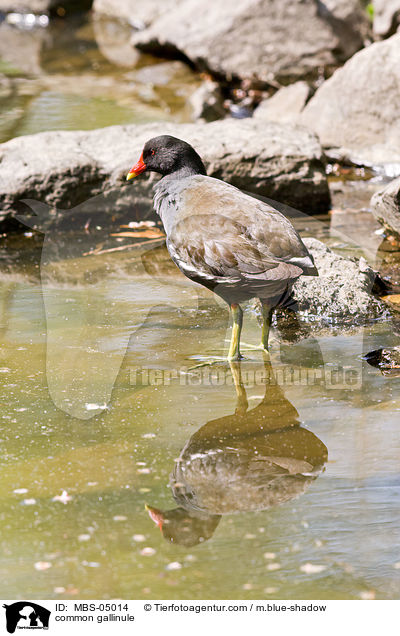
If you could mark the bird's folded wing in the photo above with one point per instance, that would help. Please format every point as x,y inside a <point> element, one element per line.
<point>217,246</point>
<point>270,231</point>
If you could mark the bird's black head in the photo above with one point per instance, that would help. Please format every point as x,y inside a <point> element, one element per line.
<point>168,155</point>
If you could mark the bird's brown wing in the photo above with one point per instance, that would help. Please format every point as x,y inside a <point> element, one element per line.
<point>269,230</point>
<point>214,247</point>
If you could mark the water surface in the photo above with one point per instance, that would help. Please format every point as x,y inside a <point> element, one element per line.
<point>292,495</point>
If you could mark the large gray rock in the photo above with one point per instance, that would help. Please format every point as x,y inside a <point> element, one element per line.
<point>386,207</point>
<point>342,293</point>
<point>259,40</point>
<point>386,17</point>
<point>139,14</point>
<point>286,105</point>
<point>65,168</point>
<point>356,110</point>
<point>113,39</point>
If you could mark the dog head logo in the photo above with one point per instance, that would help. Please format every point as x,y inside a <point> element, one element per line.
<point>26,615</point>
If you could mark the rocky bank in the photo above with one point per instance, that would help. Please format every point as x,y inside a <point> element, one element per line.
<point>63,169</point>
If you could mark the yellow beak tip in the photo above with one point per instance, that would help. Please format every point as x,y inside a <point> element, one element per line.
<point>130,176</point>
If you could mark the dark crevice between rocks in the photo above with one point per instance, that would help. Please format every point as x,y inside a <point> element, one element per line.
<point>167,51</point>
<point>63,9</point>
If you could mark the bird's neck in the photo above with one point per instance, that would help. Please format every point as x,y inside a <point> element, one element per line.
<point>187,170</point>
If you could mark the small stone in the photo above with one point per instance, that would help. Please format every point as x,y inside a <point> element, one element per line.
<point>84,537</point>
<point>29,502</point>
<point>59,590</point>
<point>312,568</point>
<point>367,595</point>
<point>273,566</point>
<point>139,538</point>
<point>95,407</point>
<point>269,555</point>
<point>174,565</point>
<point>270,590</point>
<point>120,518</point>
<point>148,552</point>
<point>42,565</point>
<point>20,491</point>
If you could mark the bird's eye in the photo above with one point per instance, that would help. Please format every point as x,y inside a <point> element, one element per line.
<point>153,152</point>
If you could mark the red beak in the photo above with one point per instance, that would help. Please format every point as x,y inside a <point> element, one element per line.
<point>155,515</point>
<point>137,169</point>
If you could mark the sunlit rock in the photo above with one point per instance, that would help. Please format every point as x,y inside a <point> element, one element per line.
<point>355,112</point>
<point>257,40</point>
<point>65,169</point>
<point>386,207</point>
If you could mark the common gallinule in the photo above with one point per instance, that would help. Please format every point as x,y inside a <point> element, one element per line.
<point>235,245</point>
<point>248,461</point>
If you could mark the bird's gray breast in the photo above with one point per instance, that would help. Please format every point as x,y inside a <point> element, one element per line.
<point>167,200</point>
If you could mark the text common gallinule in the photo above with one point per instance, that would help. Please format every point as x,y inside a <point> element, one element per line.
<point>235,245</point>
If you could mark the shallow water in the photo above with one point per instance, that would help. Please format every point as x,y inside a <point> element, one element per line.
<point>81,74</point>
<point>294,495</point>
<point>270,480</point>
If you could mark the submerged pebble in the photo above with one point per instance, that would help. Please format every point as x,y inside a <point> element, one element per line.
<point>312,568</point>
<point>147,552</point>
<point>42,565</point>
<point>175,565</point>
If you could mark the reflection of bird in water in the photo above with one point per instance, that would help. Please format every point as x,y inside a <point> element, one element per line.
<point>234,244</point>
<point>251,460</point>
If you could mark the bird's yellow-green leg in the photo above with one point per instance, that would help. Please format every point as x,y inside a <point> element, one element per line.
<point>266,311</point>
<point>242,403</point>
<point>266,323</point>
<point>237,316</point>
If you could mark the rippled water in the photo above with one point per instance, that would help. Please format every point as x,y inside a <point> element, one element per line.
<point>274,479</point>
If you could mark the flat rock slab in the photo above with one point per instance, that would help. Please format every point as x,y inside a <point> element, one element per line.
<point>258,40</point>
<point>386,207</point>
<point>65,169</point>
<point>356,110</point>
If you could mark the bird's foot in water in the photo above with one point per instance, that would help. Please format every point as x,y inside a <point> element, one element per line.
<point>206,361</point>
<point>244,346</point>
